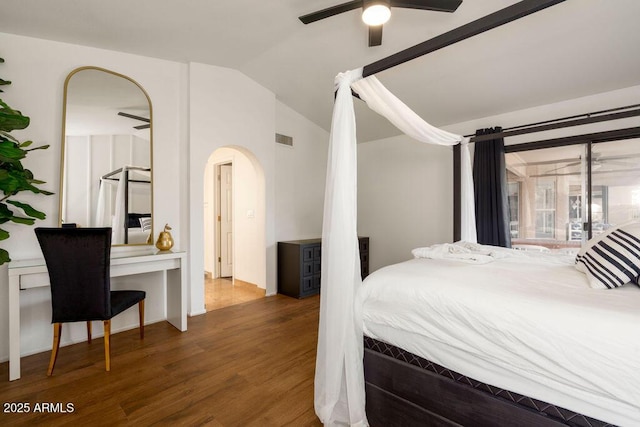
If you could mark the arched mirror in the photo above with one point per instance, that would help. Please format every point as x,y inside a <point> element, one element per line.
<point>106,170</point>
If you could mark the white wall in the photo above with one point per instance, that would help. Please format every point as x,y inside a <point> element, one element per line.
<point>38,69</point>
<point>300,176</point>
<point>405,188</point>
<point>405,197</point>
<point>227,108</point>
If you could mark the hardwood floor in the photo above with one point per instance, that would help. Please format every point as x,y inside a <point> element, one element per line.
<point>224,292</point>
<point>250,364</point>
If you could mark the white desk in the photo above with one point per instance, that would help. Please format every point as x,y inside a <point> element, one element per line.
<point>29,274</point>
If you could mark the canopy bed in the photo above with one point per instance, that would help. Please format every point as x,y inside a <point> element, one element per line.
<point>398,392</point>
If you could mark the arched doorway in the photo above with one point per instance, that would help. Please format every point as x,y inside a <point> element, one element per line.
<point>234,228</point>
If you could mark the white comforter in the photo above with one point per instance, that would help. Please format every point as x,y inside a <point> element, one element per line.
<point>527,322</point>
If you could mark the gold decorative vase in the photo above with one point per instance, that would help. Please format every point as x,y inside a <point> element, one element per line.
<point>165,241</point>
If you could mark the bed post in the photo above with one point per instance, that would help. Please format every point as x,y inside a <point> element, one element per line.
<point>126,205</point>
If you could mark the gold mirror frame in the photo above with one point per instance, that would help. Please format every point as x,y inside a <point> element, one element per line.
<point>91,199</point>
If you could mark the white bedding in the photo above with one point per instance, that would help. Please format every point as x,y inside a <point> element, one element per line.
<point>528,322</point>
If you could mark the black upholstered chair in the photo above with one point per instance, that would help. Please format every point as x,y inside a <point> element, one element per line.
<point>78,261</point>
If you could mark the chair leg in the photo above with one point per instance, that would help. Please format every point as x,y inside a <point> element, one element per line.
<point>107,339</point>
<point>89,332</point>
<point>141,315</point>
<point>57,332</point>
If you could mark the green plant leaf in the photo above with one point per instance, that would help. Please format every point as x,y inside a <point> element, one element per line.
<point>7,136</point>
<point>11,119</point>
<point>23,220</point>
<point>14,178</point>
<point>27,209</point>
<point>41,147</point>
<point>5,212</point>
<point>10,151</point>
<point>4,256</point>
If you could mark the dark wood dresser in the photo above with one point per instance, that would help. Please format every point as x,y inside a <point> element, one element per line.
<point>299,265</point>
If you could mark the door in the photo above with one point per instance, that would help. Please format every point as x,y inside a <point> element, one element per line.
<point>226,220</point>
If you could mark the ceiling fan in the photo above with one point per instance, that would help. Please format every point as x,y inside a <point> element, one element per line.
<point>597,162</point>
<point>377,12</point>
<point>142,119</point>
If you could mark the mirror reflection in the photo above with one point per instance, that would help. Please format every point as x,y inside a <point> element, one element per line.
<point>106,155</point>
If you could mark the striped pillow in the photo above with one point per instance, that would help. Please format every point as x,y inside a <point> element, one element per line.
<point>612,260</point>
<point>145,224</point>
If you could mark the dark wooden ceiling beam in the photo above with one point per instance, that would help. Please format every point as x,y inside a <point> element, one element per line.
<point>493,20</point>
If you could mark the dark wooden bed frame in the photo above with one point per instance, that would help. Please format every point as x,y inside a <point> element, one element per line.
<point>406,390</point>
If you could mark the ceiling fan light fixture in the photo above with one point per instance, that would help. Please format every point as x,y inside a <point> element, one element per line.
<point>376,12</point>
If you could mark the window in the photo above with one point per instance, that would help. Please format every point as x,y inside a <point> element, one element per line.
<point>550,203</point>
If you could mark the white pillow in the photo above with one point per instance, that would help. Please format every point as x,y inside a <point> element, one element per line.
<point>612,259</point>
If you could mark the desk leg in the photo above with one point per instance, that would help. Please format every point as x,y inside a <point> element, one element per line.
<point>14,328</point>
<point>177,298</point>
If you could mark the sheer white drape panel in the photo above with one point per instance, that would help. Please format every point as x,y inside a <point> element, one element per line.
<point>118,215</point>
<point>467,204</point>
<point>339,378</point>
<point>383,102</point>
<point>339,381</point>
<point>102,205</point>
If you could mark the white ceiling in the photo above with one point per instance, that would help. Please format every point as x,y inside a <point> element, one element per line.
<point>576,48</point>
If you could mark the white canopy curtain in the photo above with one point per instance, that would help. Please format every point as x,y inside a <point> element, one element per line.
<point>106,216</point>
<point>339,378</point>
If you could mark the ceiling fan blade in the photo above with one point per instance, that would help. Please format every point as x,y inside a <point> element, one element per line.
<point>131,116</point>
<point>619,162</point>
<point>435,5</point>
<point>568,165</point>
<point>140,127</point>
<point>330,11</point>
<point>375,35</point>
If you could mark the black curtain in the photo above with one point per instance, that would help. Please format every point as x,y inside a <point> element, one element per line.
<point>490,185</point>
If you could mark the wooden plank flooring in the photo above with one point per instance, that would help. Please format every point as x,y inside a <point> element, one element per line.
<point>250,364</point>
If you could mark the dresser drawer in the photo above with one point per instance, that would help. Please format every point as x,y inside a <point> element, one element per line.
<point>300,266</point>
